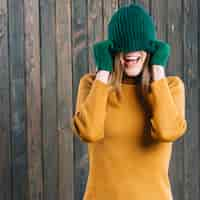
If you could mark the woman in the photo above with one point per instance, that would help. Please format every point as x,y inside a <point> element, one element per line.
<point>129,113</point>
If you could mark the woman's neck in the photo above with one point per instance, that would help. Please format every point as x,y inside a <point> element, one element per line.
<point>130,79</point>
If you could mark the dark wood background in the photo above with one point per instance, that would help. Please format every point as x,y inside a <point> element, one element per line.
<point>45,49</point>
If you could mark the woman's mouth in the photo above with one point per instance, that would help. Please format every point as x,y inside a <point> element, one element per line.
<point>132,59</point>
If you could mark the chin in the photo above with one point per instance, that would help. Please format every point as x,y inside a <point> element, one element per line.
<point>132,72</point>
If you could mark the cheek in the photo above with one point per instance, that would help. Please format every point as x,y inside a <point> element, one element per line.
<point>140,68</point>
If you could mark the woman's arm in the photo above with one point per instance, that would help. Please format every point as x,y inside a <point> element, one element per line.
<point>168,121</point>
<point>88,120</point>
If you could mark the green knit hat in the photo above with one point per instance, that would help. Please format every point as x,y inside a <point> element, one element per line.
<point>131,28</point>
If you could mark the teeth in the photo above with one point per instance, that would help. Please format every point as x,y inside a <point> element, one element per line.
<point>134,57</point>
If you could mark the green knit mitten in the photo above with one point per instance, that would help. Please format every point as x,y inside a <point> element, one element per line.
<point>161,53</point>
<point>103,55</point>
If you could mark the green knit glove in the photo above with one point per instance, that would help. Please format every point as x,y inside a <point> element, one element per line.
<point>102,52</point>
<point>161,53</point>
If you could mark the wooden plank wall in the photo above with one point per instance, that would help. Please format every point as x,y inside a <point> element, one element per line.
<point>45,47</point>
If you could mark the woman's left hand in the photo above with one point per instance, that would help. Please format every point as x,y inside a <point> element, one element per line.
<point>160,54</point>
<point>158,72</point>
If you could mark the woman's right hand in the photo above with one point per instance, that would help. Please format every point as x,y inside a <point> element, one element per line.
<point>103,56</point>
<point>103,75</point>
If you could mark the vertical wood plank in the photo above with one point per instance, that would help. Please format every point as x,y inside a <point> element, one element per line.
<point>123,2</point>
<point>175,37</point>
<point>95,28</point>
<point>5,154</point>
<point>49,101</point>
<point>191,78</point>
<point>158,11</point>
<point>64,102</point>
<point>80,67</point>
<point>33,99</point>
<point>109,7</point>
<point>175,67</point>
<point>17,98</point>
<point>145,3</point>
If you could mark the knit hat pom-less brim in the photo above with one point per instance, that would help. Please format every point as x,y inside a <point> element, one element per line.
<point>131,28</point>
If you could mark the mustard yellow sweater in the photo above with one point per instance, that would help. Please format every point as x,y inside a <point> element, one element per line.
<point>127,159</point>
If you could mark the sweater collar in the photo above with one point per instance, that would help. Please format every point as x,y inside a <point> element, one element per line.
<point>131,80</point>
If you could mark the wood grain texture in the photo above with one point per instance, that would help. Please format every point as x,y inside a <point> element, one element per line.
<point>146,3</point>
<point>64,100</point>
<point>46,46</point>
<point>17,100</point>
<point>176,66</point>
<point>109,7</point>
<point>95,28</point>
<point>80,66</point>
<point>191,78</point>
<point>33,99</point>
<point>49,98</point>
<point>5,137</point>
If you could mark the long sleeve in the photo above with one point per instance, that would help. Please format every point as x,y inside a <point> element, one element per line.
<point>88,120</point>
<point>168,121</point>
